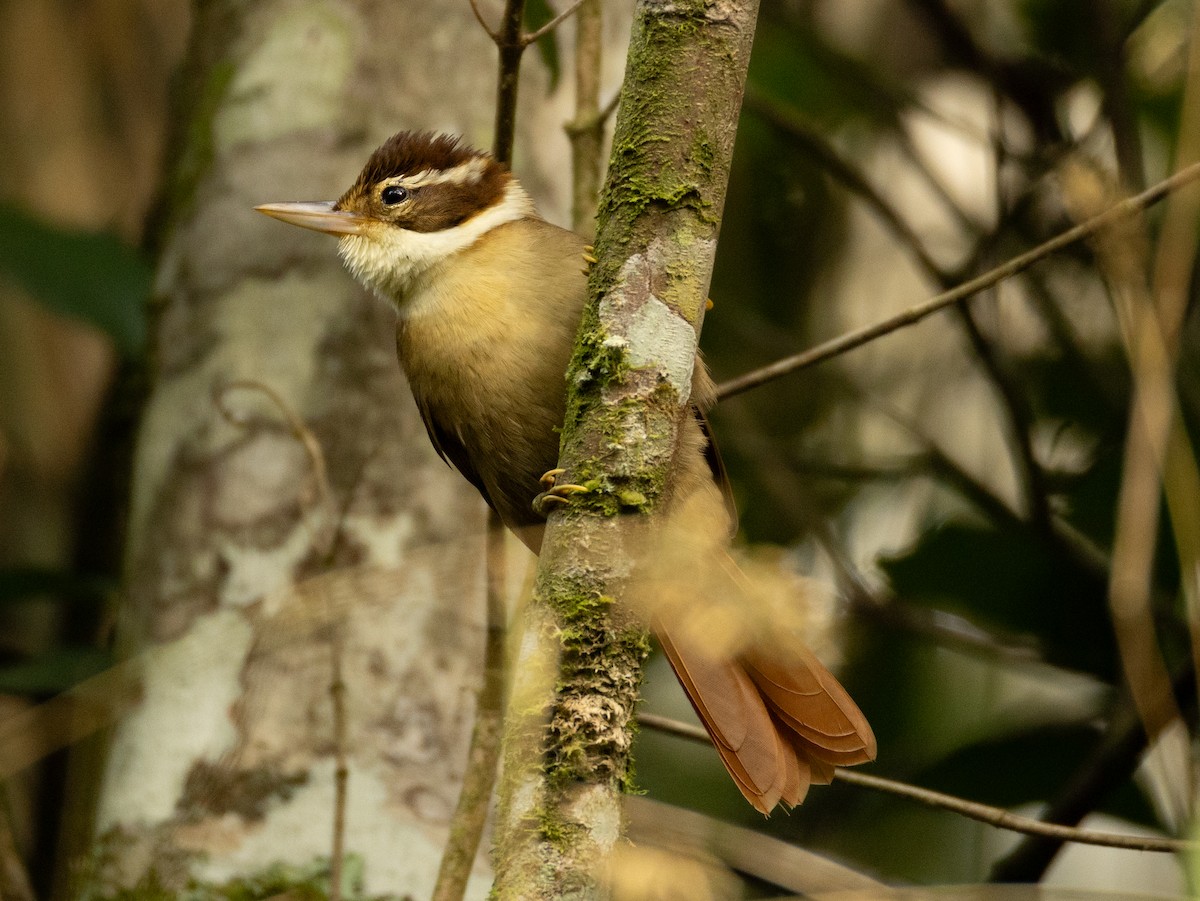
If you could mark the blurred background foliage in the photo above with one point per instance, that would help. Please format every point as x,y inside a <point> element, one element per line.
<point>950,488</point>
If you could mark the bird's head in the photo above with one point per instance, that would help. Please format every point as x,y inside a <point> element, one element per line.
<point>420,199</point>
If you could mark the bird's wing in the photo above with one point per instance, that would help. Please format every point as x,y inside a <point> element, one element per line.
<point>448,446</point>
<point>712,456</point>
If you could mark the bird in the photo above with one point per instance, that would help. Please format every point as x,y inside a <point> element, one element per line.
<point>489,297</point>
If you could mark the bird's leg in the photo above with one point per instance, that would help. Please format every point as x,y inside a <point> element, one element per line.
<point>552,493</point>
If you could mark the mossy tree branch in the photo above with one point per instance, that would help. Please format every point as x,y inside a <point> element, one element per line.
<point>569,732</point>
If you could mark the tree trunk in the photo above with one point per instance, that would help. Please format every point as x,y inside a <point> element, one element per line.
<point>568,740</point>
<point>253,556</point>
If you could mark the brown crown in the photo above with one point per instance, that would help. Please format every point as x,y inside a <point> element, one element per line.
<point>410,152</point>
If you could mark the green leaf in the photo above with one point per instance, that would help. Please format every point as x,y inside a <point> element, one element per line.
<point>91,276</point>
<point>537,14</point>
<point>1012,580</point>
<point>794,66</point>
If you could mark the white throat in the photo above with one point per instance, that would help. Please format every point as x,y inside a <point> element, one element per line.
<point>392,260</point>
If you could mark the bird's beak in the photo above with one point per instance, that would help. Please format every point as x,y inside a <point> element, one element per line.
<point>319,216</point>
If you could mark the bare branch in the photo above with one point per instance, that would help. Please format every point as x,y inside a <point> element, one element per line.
<point>1109,764</point>
<point>511,48</point>
<point>984,813</point>
<point>323,542</point>
<point>1003,819</point>
<point>494,35</point>
<point>911,316</point>
<point>534,36</point>
<point>599,119</point>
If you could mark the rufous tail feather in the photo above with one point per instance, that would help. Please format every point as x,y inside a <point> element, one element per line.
<point>777,727</point>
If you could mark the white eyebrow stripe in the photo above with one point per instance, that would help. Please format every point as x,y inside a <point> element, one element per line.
<point>392,260</point>
<point>470,171</point>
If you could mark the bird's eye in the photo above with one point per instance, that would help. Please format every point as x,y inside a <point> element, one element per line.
<point>393,194</point>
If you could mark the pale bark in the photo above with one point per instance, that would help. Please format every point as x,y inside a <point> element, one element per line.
<point>567,744</point>
<point>225,769</point>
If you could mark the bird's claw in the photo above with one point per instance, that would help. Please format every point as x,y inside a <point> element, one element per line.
<point>589,259</point>
<point>552,493</point>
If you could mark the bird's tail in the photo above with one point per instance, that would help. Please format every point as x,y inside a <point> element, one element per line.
<point>778,718</point>
<point>779,722</point>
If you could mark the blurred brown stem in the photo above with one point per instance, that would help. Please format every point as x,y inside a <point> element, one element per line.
<point>511,47</point>
<point>586,131</point>
<point>341,770</point>
<point>1151,320</point>
<point>466,827</point>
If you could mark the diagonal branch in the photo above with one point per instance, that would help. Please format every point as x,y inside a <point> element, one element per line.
<point>852,179</point>
<point>984,813</point>
<point>534,36</point>
<point>857,338</point>
<point>1111,763</point>
<point>494,35</point>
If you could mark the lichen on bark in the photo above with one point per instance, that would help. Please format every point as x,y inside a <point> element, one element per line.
<point>567,754</point>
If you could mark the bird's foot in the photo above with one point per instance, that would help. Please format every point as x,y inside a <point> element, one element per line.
<point>589,260</point>
<point>552,493</point>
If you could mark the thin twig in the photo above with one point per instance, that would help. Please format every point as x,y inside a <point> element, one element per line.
<point>494,35</point>
<point>984,813</point>
<point>1003,819</point>
<point>470,815</point>
<point>534,36</point>
<point>1109,764</point>
<point>303,434</point>
<point>511,48</point>
<point>341,769</point>
<point>915,314</point>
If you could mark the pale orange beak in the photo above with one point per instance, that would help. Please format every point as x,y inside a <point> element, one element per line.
<point>319,216</point>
